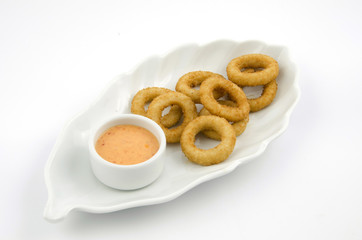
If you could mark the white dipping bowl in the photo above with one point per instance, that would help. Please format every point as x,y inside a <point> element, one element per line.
<point>127,177</point>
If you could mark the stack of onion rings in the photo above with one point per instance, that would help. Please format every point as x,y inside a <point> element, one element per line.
<point>213,120</point>
<point>190,80</point>
<point>234,114</point>
<point>210,156</point>
<point>158,104</point>
<point>240,70</point>
<point>239,127</point>
<point>146,95</point>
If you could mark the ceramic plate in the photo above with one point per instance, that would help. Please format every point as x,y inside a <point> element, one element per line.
<point>70,182</point>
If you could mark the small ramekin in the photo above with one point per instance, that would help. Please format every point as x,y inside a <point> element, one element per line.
<point>127,177</point>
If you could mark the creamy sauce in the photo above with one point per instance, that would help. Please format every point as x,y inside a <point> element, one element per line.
<point>127,145</point>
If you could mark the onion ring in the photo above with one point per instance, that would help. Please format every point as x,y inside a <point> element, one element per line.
<point>239,127</point>
<point>213,155</point>
<point>147,95</point>
<point>158,104</point>
<point>269,72</point>
<point>266,98</point>
<point>188,81</point>
<point>236,94</point>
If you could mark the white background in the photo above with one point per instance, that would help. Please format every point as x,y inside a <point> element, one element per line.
<point>57,56</point>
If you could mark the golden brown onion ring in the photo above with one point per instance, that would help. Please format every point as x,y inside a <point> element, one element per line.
<point>190,80</point>
<point>239,127</point>
<point>146,95</point>
<point>213,155</point>
<point>234,92</point>
<point>269,72</point>
<point>172,98</point>
<point>266,98</point>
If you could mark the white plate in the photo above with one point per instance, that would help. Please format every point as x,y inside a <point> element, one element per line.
<point>68,176</point>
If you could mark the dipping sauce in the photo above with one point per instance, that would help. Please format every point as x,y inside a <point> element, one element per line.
<point>127,145</point>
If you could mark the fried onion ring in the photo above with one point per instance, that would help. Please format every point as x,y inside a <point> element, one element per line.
<point>239,127</point>
<point>158,104</point>
<point>190,80</point>
<point>147,95</point>
<point>236,94</point>
<point>269,72</point>
<point>213,155</point>
<point>266,98</point>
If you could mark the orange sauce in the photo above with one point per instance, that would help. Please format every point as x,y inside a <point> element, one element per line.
<point>126,145</point>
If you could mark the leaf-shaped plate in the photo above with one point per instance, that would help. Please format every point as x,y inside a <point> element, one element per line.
<point>68,175</point>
